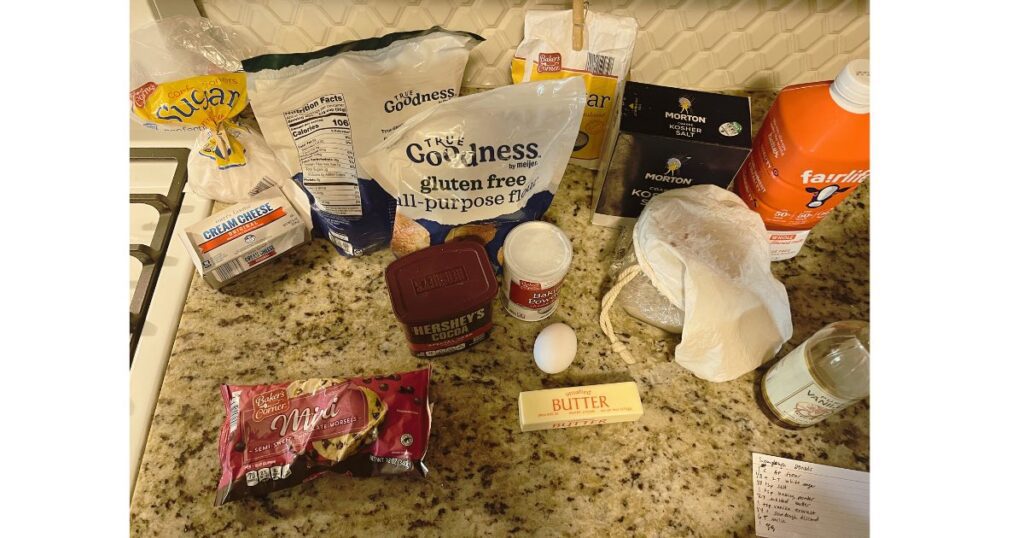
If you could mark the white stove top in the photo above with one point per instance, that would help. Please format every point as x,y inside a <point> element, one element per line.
<point>172,285</point>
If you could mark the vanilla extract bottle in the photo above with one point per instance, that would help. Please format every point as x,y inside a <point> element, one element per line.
<point>824,375</point>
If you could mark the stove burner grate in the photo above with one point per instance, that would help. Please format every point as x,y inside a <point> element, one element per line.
<point>151,256</point>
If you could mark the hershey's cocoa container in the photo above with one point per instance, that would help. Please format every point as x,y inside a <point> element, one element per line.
<point>537,257</point>
<point>442,295</point>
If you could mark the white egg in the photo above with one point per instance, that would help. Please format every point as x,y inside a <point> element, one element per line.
<point>555,348</point>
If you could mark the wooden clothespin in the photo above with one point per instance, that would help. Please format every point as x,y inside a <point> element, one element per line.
<point>579,16</point>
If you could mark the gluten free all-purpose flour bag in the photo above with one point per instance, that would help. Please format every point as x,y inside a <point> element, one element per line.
<point>321,110</point>
<point>546,53</point>
<point>476,166</point>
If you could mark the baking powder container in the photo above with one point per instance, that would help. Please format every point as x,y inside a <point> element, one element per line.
<point>537,256</point>
<point>442,295</point>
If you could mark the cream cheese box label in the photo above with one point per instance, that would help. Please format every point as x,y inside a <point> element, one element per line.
<point>244,236</point>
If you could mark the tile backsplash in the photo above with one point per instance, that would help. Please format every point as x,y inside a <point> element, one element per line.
<point>744,44</point>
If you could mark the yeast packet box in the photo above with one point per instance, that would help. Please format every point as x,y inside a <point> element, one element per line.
<point>669,138</point>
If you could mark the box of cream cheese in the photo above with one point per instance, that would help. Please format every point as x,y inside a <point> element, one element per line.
<point>244,237</point>
<point>668,138</point>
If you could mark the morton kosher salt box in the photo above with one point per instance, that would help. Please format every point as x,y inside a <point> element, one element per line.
<point>669,138</point>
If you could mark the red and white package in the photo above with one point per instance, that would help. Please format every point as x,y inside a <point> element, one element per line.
<point>280,435</point>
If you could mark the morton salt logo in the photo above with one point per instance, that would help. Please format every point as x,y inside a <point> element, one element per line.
<point>671,165</point>
<point>269,403</point>
<point>821,195</point>
<point>685,106</point>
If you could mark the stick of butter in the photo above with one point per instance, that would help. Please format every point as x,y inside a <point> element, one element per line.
<point>579,406</point>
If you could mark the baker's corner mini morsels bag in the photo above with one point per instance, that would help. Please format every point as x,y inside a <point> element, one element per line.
<point>321,110</point>
<point>184,77</point>
<point>280,435</point>
<point>546,52</point>
<point>475,167</point>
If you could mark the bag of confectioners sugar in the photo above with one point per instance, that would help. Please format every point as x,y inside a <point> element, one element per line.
<point>475,167</point>
<point>320,110</point>
<point>184,77</point>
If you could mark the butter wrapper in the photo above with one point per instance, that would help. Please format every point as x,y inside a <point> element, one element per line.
<point>244,237</point>
<point>579,406</point>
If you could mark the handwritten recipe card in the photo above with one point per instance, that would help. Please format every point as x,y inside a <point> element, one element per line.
<point>796,498</point>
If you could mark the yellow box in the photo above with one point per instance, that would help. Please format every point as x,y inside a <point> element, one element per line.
<point>579,406</point>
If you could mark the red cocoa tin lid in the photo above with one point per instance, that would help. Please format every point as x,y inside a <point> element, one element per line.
<point>439,281</point>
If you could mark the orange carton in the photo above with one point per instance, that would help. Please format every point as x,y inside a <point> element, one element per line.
<point>811,152</point>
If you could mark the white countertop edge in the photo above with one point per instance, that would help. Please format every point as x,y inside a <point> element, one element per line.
<point>147,372</point>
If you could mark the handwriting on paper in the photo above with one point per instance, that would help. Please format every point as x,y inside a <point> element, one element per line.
<point>795,498</point>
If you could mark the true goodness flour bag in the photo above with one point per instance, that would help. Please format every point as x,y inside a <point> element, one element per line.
<point>184,78</point>
<point>547,53</point>
<point>321,110</point>
<point>475,167</point>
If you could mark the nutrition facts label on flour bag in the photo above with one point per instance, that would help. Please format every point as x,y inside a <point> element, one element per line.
<point>323,137</point>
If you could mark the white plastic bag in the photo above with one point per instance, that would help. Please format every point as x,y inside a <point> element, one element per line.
<point>233,184</point>
<point>706,253</point>
<point>179,47</point>
<point>184,78</point>
<point>638,297</point>
<point>477,166</point>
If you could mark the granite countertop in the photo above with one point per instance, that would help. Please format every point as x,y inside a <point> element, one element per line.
<point>683,469</point>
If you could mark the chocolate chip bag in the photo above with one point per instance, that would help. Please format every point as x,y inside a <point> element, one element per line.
<point>321,110</point>
<point>279,435</point>
<point>475,167</point>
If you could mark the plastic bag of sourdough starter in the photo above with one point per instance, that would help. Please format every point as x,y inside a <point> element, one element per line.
<point>546,53</point>
<point>283,434</point>
<point>184,75</point>
<point>321,110</point>
<point>475,167</point>
<point>639,298</point>
<point>706,254</point>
